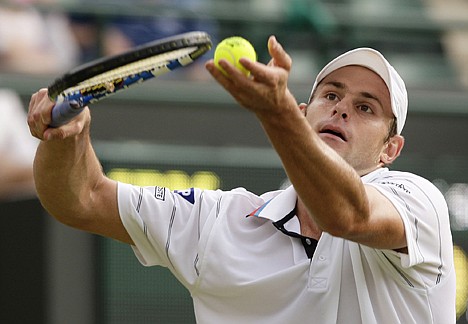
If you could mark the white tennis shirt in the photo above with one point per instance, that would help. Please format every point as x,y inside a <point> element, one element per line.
<point>242,269</point>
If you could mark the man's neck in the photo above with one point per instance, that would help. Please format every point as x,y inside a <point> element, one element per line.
<point>308,226</point>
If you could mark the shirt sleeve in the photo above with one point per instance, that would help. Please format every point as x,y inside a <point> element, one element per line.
<point>424,212</point>
<point>165,225</point>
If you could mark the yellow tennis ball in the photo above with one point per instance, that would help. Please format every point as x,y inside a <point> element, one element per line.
<point>232,49</point>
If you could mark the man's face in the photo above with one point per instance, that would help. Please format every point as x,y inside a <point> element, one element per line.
<point>351,111</point>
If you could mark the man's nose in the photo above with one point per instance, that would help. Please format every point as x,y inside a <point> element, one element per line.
<point>342,108</point>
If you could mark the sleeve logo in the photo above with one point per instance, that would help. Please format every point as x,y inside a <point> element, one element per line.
<point>160,193</point>
<point>398,185</point>
<point>187,194</point>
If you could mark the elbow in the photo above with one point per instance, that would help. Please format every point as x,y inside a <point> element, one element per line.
<point>66,213</point>
<point>71,218</point>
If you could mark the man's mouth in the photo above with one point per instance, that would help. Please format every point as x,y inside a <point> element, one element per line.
<point>334,131</point>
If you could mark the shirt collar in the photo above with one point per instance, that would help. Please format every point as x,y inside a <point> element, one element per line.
<point>277,207</point>
<point>282,204</point>
<point>372,175</point>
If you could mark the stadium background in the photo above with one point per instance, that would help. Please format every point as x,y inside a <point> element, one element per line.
<point>186,127</point>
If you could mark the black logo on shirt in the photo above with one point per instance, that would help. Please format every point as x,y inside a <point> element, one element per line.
<point>398,185</point>
<point>160,193</point>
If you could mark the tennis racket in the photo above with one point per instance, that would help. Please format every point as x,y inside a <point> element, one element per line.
<point>98,79</point>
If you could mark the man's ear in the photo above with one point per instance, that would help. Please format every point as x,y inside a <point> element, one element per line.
<point>303,108</point>
<point>392,149</point>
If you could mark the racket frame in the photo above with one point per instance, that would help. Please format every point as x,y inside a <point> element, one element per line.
<point>198,39</point>
<point>72,91</point>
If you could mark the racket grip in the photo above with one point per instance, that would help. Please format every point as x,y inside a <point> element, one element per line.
<point>65,111</point>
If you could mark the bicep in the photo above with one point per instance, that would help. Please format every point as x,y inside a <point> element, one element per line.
<point>384,227</point>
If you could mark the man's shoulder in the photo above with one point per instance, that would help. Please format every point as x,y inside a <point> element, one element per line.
<point>383,175</point>
<point>403,181</point>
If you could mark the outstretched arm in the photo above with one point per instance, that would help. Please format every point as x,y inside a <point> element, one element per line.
<point>69,178</point>
<point>330,188</point>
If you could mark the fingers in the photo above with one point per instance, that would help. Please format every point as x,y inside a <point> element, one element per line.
<point>259,73</point>
<point>39,113</point>
<point>216,73</point>
<point>265,89</point>
<point>280,59</point>
<point>70,129</point>
<point>279,56</point>
<point>230,70</point>
<point>39,119</point>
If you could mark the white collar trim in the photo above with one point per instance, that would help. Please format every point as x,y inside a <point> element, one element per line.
<point>279,206</point>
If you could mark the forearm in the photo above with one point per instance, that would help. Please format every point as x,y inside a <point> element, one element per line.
<point>329,187</point>
<point>66,172</point>
<point>69,178</point>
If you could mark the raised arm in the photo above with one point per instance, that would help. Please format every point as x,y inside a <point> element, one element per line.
<point>69,179</point>
<point>329,187</point>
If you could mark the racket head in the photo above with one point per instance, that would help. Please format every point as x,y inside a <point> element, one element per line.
<point>197,43</point>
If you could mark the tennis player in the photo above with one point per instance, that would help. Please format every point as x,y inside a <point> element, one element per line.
<point>349,242</point>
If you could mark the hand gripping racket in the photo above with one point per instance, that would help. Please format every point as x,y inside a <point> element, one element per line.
<point>98,79</point>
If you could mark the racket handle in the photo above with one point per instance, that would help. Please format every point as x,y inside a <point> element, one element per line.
<point>65,111</point>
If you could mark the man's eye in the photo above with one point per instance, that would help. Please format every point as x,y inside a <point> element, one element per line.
<point>365,108</point>
<point>331,96</point>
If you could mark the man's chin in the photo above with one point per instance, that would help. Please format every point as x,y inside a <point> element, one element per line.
<point>334,142</point>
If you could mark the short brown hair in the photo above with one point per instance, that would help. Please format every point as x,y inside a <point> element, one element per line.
<point>392,130</point>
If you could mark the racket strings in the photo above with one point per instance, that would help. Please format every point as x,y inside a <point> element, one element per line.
<point>155,64</point>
